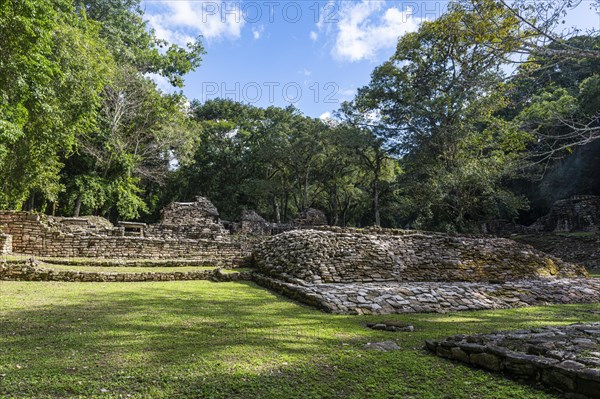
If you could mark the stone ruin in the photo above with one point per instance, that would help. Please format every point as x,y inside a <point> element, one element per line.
<point>311,217</point>
<point>5,243</point>
<point>190,220</point>
<point>564,358</point>
<point>186,230</point>
<point>348,270</point>
<point>578,213</point>
<point>551,233</point>
<point>251,223</point>
<point>376,271</point>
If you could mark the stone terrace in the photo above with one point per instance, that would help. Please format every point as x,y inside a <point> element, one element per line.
<point>380,271</point>
<point>423,297</point>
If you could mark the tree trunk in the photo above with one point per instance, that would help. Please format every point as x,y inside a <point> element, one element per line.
<point>305,192</point>
<point>276,210</point>
<point>376,203</point>
<point>31,202</point>
<point>285,206</point>
<point>77,206</point>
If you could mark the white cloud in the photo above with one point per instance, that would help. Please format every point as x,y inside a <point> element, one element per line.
<point>257,32</point>
<point>314,36</point>
<point>305,72</point>
<point>368,27</point>
<point>181,22</point>
<point>325,115</point>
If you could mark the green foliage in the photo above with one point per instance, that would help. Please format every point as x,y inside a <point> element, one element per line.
<point>51,77</point>
<point>437,99</point>
<point>127,199</point>
<point>140,132</point>
<point>80,125</point>
<point>279,163</point>
<point>555,99</point>
<point>133,43</point>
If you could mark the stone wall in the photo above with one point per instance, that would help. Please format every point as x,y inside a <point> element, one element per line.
<point>580,248</point>
<point>564,358</point>
<point>35,234</point>
<point>28,271</point>
<point>5,243</point>
<point>396,256</point>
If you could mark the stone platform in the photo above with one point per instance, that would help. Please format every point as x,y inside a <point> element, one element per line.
<point>563,358</point>
<point>421,297</point>
<point>30,270</point>
<point>353,271</point>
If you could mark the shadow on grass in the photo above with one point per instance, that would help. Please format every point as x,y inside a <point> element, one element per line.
<point>231,340</point>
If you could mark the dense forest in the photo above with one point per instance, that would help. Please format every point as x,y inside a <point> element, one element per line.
<point>481,114</point>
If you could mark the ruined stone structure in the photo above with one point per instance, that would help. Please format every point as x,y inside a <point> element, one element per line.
<point>311,217</point>
<point>579,213</point>
<point>345,270</point>
<point>564,358</point>
<point>576,248</point>
<point>423,297</point>
<point>191,220</point>
<point>187,230</point>
<point>251,223</point>
<point>396,271</point>
<point>391,256</point>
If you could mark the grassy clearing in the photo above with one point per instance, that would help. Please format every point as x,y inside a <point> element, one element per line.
<point>595,274</point>
<point>198,339</point>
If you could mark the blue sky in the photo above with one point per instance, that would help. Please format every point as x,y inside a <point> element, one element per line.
<point>311,53</point>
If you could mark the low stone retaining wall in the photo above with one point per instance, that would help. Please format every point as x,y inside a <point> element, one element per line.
<point>28,272</point>
<point>583,249</point>
<point>5,243</point>
<point>385,256</point>
<point>94,262</point>
<point>33,235</point>
<point>422,297</point>
<point>564,358</point>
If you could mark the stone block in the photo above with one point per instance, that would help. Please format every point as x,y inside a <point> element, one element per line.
<point>487,361</point>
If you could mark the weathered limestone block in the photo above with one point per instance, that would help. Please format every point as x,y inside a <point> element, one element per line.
<point>5,243</point>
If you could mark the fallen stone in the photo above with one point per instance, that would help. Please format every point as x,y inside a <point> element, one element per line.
<point>384,346</point>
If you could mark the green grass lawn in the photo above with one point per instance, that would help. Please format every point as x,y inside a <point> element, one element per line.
<point>198,339</point>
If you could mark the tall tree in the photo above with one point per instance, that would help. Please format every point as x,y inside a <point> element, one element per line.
<point>53,69</point>
<point>437,99</point>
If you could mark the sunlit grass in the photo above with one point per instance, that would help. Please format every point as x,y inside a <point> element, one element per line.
<point>199,339</point>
